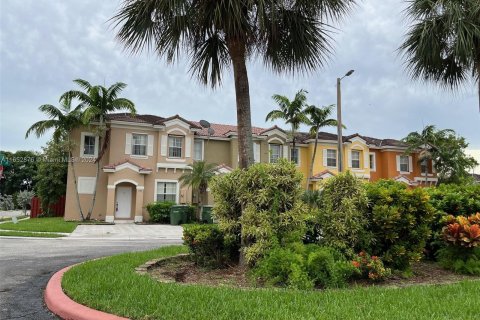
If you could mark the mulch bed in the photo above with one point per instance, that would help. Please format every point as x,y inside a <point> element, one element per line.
<point>182,270</point>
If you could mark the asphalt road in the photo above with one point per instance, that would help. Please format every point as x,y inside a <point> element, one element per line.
<point>26,265</point>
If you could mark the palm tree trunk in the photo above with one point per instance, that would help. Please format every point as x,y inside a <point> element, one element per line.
<point>237,51</point>
<point>310,173</point>
<point>242,93</point>
<point>97,161</point>
<point>76,186</point>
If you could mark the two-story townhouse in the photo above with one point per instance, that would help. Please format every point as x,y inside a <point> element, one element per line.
<point>147,154</point>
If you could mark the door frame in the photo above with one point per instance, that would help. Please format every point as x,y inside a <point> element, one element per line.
<point>117,202</point>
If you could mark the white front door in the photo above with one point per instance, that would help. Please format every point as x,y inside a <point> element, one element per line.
<point>123,206</point>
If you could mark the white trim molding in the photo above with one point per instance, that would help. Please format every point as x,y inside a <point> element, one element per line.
<point>125,180</point>
<point>138,219</point>
<point>86,185</point>
<point>374,168</point>
<point>110,219</point>
<point>82,145</point>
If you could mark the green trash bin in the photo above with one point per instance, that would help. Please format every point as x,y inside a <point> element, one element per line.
<point>179,215</point>
<point>206,215</point>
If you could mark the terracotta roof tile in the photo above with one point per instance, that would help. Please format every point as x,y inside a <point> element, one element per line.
<point>113,166</point>
<point>222,130</point>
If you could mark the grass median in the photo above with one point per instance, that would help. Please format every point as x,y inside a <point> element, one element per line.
<point>113,286</point>
<point>13,233</point>
<point>41,225</point>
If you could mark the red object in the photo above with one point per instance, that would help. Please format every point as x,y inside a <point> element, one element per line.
<point>57,209</point>
<point>64,307</point>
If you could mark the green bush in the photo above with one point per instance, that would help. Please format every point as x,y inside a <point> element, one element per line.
<point>159,211</point>
<point>342,221</point>
<point>273,213</point>
<point>300,266</point>
<point>460,260</point>
<point>450,199</point>
<point>209,246</point>
<point>400,221</point>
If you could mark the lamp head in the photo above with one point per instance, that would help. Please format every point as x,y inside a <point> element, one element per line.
<point>349,73</point>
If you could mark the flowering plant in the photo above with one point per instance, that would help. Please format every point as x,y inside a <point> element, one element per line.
<point>462,231</point>
<point>370,267</point>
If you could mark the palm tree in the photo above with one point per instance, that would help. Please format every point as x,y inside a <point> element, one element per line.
<point>199,177</point>
<point>62,120</point>
<point>98,101</point>
<point>428,141</point>
<point>318,118</point>
<point>293,112</point>
<point>288,35</point>
<point>443,44</point>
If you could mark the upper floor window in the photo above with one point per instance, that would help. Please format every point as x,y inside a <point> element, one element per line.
<point>295,156</point>
<point>355,159</point>
<point>275,152</point>
<point>139,144</point>
<point>404,164</point>
<point>424,166</point>
<point>331,158</point>
<point>88,145</point>
<point>198,150</point>
<point>371,158</point>
<point>175,144</point>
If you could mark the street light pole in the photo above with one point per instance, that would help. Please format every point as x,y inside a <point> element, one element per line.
<point>339,121</point>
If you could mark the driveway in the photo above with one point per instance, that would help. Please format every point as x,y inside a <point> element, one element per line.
<point>26,265</point>
<point>128,232</point>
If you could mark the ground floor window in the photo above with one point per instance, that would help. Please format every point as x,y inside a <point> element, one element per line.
<point>167,191</point>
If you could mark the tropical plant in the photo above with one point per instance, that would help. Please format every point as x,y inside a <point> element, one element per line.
<point>98,101</point>
<point>462,231</point>
<point>443,44</point>
<point>290,36</point>
<point>273,213</point>
<point>199,177</point>
<point>62,120</point>
<point>370,267</point>
<point>159,211</point>
<point>293,112</point>
<point>341,220</point>
<point>317,119</point>
<point>446,151</point>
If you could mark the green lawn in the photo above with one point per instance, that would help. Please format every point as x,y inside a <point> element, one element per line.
<point>112,285</point>
<point>41,225</point>
<point>12,233</point>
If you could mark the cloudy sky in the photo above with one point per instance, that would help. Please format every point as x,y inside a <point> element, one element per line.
<point>45,44</point>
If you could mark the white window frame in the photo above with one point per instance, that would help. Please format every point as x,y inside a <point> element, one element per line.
<point>202,150</point>
<point>177,196</point>
<point>352,152</point>
<point>182,139</point>
<point>82,145</point>
<point>132,154</point>
<point>270,153</point>
<point>335,158</point>
<point>400,163</point>
<point>373,156</point>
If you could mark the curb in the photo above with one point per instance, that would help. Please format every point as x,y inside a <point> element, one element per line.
<point>64,307</point>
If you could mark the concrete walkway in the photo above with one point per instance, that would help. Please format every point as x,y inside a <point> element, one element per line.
<point>12,213</point>
<point>127,232</point>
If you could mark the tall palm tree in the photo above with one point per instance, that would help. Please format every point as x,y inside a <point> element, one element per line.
<point>318,118</point>
<point>98,102</point>
<point>199,177</point>
<point>293,112</point>
<point>443,44</point>
<point>428,141</point>
<point>288,35</point>
<point>62,120</point>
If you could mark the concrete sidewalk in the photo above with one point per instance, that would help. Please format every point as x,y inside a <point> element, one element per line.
<point>127,232</point>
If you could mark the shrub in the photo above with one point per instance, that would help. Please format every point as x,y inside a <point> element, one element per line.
<point>460,259</point>
<point>159,211</point>
<point>370,267</point>
<point>300,266</point>
<point>24,198</point>
<point>342,221</point>
<point>462,238</point>
<point>6,202</point>
<point>399,221</point>
<point>208,245</point>
<point>272,214</point>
